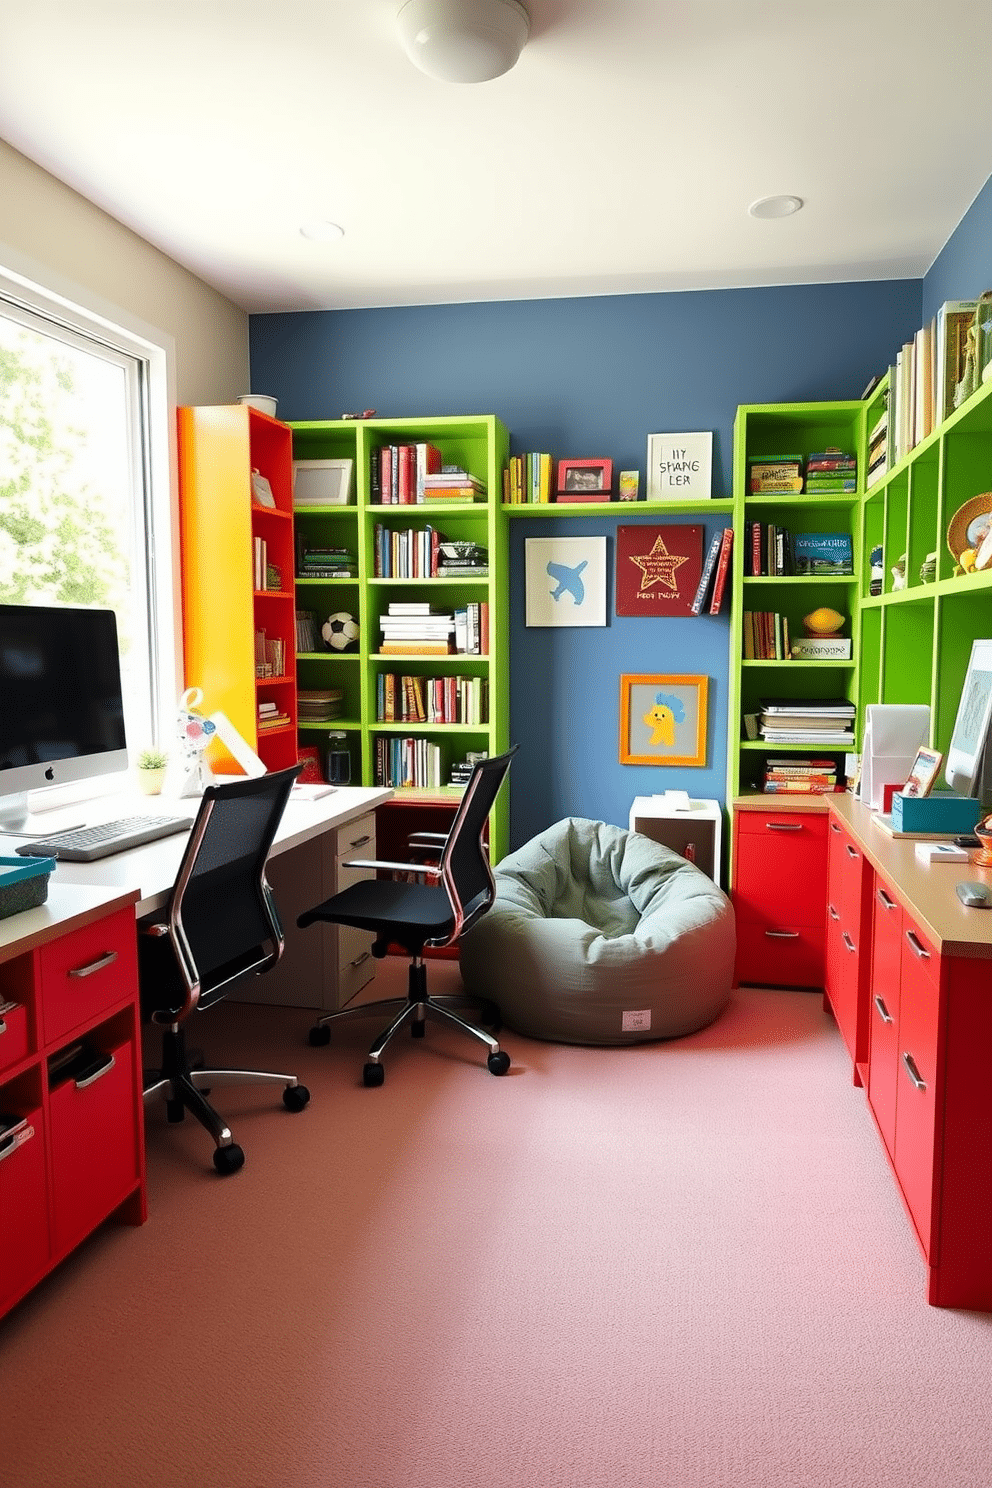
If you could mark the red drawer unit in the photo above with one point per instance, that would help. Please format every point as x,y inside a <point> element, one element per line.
<point>780,871</point>
<point>848,936</point>
<point>87,974</point>
<point>917,1078</point>
<point>883,1011</point>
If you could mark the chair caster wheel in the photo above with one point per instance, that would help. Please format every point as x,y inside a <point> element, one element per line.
<point>373,1074</point>
<point>320,1034</point>
<point>498,1063</point>
<point>295,1097</point>
<point>229,1159</point>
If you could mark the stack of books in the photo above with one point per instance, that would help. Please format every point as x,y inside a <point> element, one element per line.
<point>773,474</point>
<point>472,628</point>
<point>765,635</point>
<point>313,562</point>
<point>462,560</point>
<point>461,770</point>
<point>397,473</point>
<point>807,721</point>
<point>414,629</point>
<point>319,705</point>
<point>407,762</point>
<point>801,776</point>
<point>410,553</point>
<point>713,579</point>
<point>271,716</point>
<point>452,483</point>
<point>407,699</point>
<point>830,472</point>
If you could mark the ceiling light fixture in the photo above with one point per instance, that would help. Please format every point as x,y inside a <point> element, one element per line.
<point>322,232</point>
<point>776,206</point>
<point>463,41</point>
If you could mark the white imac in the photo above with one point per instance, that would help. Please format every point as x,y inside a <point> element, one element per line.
<point>968,765</point>
<point>61,702</point>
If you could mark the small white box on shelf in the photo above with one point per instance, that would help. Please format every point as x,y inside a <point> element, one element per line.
<point>690,827</point>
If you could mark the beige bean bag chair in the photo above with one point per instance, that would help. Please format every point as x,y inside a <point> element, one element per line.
<point>602,936</point>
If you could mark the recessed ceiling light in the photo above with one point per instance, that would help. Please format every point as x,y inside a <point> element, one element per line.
<point>322,232</point>
<point>775,206</point>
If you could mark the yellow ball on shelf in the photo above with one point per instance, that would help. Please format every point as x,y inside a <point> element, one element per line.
<point>823,622</point>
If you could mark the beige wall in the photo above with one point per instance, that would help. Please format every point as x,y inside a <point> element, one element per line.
<point>55,229</point>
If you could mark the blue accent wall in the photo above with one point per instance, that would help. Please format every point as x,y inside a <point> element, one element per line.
<point>593,377</point>
<point>963,268</point>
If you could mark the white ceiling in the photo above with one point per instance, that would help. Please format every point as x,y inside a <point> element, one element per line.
<point>618,156</point>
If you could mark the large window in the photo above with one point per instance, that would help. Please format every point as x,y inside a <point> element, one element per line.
<point>85,510</point>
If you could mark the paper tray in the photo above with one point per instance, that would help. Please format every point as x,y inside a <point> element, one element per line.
<point>23,883</point>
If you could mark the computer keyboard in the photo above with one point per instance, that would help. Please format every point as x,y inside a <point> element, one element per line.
<point>84,844</point>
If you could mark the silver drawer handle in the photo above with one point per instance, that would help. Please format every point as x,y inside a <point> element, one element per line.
<point>917,1079</point>
<point>3,1026</point>
<point>782,934</point>
<point>363,957</point>
<point>107,959</point>
<point>885,901</point>
<point>916,948</point>
<point>784,826</point>
<point>360,841</point>
<point>834,827</point>
<point>883,1011</point>
<point>97,1074</point>
<point>848,942</point>
<point>852,852</point>
<point>832,912</point>
<point>15,1140</point>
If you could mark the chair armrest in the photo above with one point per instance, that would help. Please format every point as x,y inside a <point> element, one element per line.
<point>427,869</point>
<point>427,839</point>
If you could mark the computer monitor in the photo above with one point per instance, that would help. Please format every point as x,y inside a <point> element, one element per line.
<point>968,764</point>
<point>61,703</point>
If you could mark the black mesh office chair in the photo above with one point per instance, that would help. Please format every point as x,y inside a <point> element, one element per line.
<point>459,888</point>
<point>220,925</point>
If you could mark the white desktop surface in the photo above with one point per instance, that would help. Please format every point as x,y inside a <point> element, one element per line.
<point>151,869</point>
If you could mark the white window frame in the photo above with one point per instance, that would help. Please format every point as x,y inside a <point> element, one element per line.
<point>34,292</point>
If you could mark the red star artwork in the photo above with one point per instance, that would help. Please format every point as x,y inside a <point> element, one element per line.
<point>658,569</point>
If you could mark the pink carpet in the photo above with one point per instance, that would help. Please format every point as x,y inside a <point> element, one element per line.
<point>677,1265</point>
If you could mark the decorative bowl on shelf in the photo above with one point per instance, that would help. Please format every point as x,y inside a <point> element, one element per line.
<point>969,525</point>
<point>984,834</point>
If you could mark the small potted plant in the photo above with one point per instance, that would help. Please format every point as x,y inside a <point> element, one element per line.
<point>151,765</point>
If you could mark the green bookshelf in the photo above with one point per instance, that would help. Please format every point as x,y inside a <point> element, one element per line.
<point>480,445</point>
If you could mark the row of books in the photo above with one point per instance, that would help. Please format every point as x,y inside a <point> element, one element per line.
<point>414,475</point>
<point>824,472</point>
<point>527,478</point>
<point>319,704</point>
<point>425,553</point>
<point>800,776</point>
<point>270,655</point>
<point>932,375</point>
<point>765,636</point>
<point>826,720</point>
<point>316,562</point>
<point>265,575</point>
<point>405,761</point>
<point>713,579</point>
<point>778,552</point>
<point>407,699</point>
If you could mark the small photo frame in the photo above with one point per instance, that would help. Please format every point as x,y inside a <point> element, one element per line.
<point>585,476</point>
<point>663,719</point>
<point>322,482</point>
<point>630,484</point>
<point>680,466</point>
<point>924,773</point>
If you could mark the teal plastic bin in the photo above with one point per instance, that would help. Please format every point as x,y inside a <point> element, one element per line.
<point>23,883</point>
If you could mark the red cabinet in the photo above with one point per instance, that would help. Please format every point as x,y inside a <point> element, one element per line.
<point>780,872</point>
<point>883,1011</point>
<point>917,1078</point>
<point>846,935</point>
<point>71,1139</point>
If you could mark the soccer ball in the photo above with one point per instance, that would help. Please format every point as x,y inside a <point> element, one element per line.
<point>340,631</point>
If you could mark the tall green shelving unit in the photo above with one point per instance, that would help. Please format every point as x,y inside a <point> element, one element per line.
<point>480,445</point>
<point>916,641</point>
<point>910,644</point>
<point>773,429</point>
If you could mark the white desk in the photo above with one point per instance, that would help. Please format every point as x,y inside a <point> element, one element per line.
<point>306,976</point>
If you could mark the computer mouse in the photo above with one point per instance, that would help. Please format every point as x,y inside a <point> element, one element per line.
<point>975,895</point>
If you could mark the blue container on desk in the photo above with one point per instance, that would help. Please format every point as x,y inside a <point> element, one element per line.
<point>939,812</point>
<point>23,883</point>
